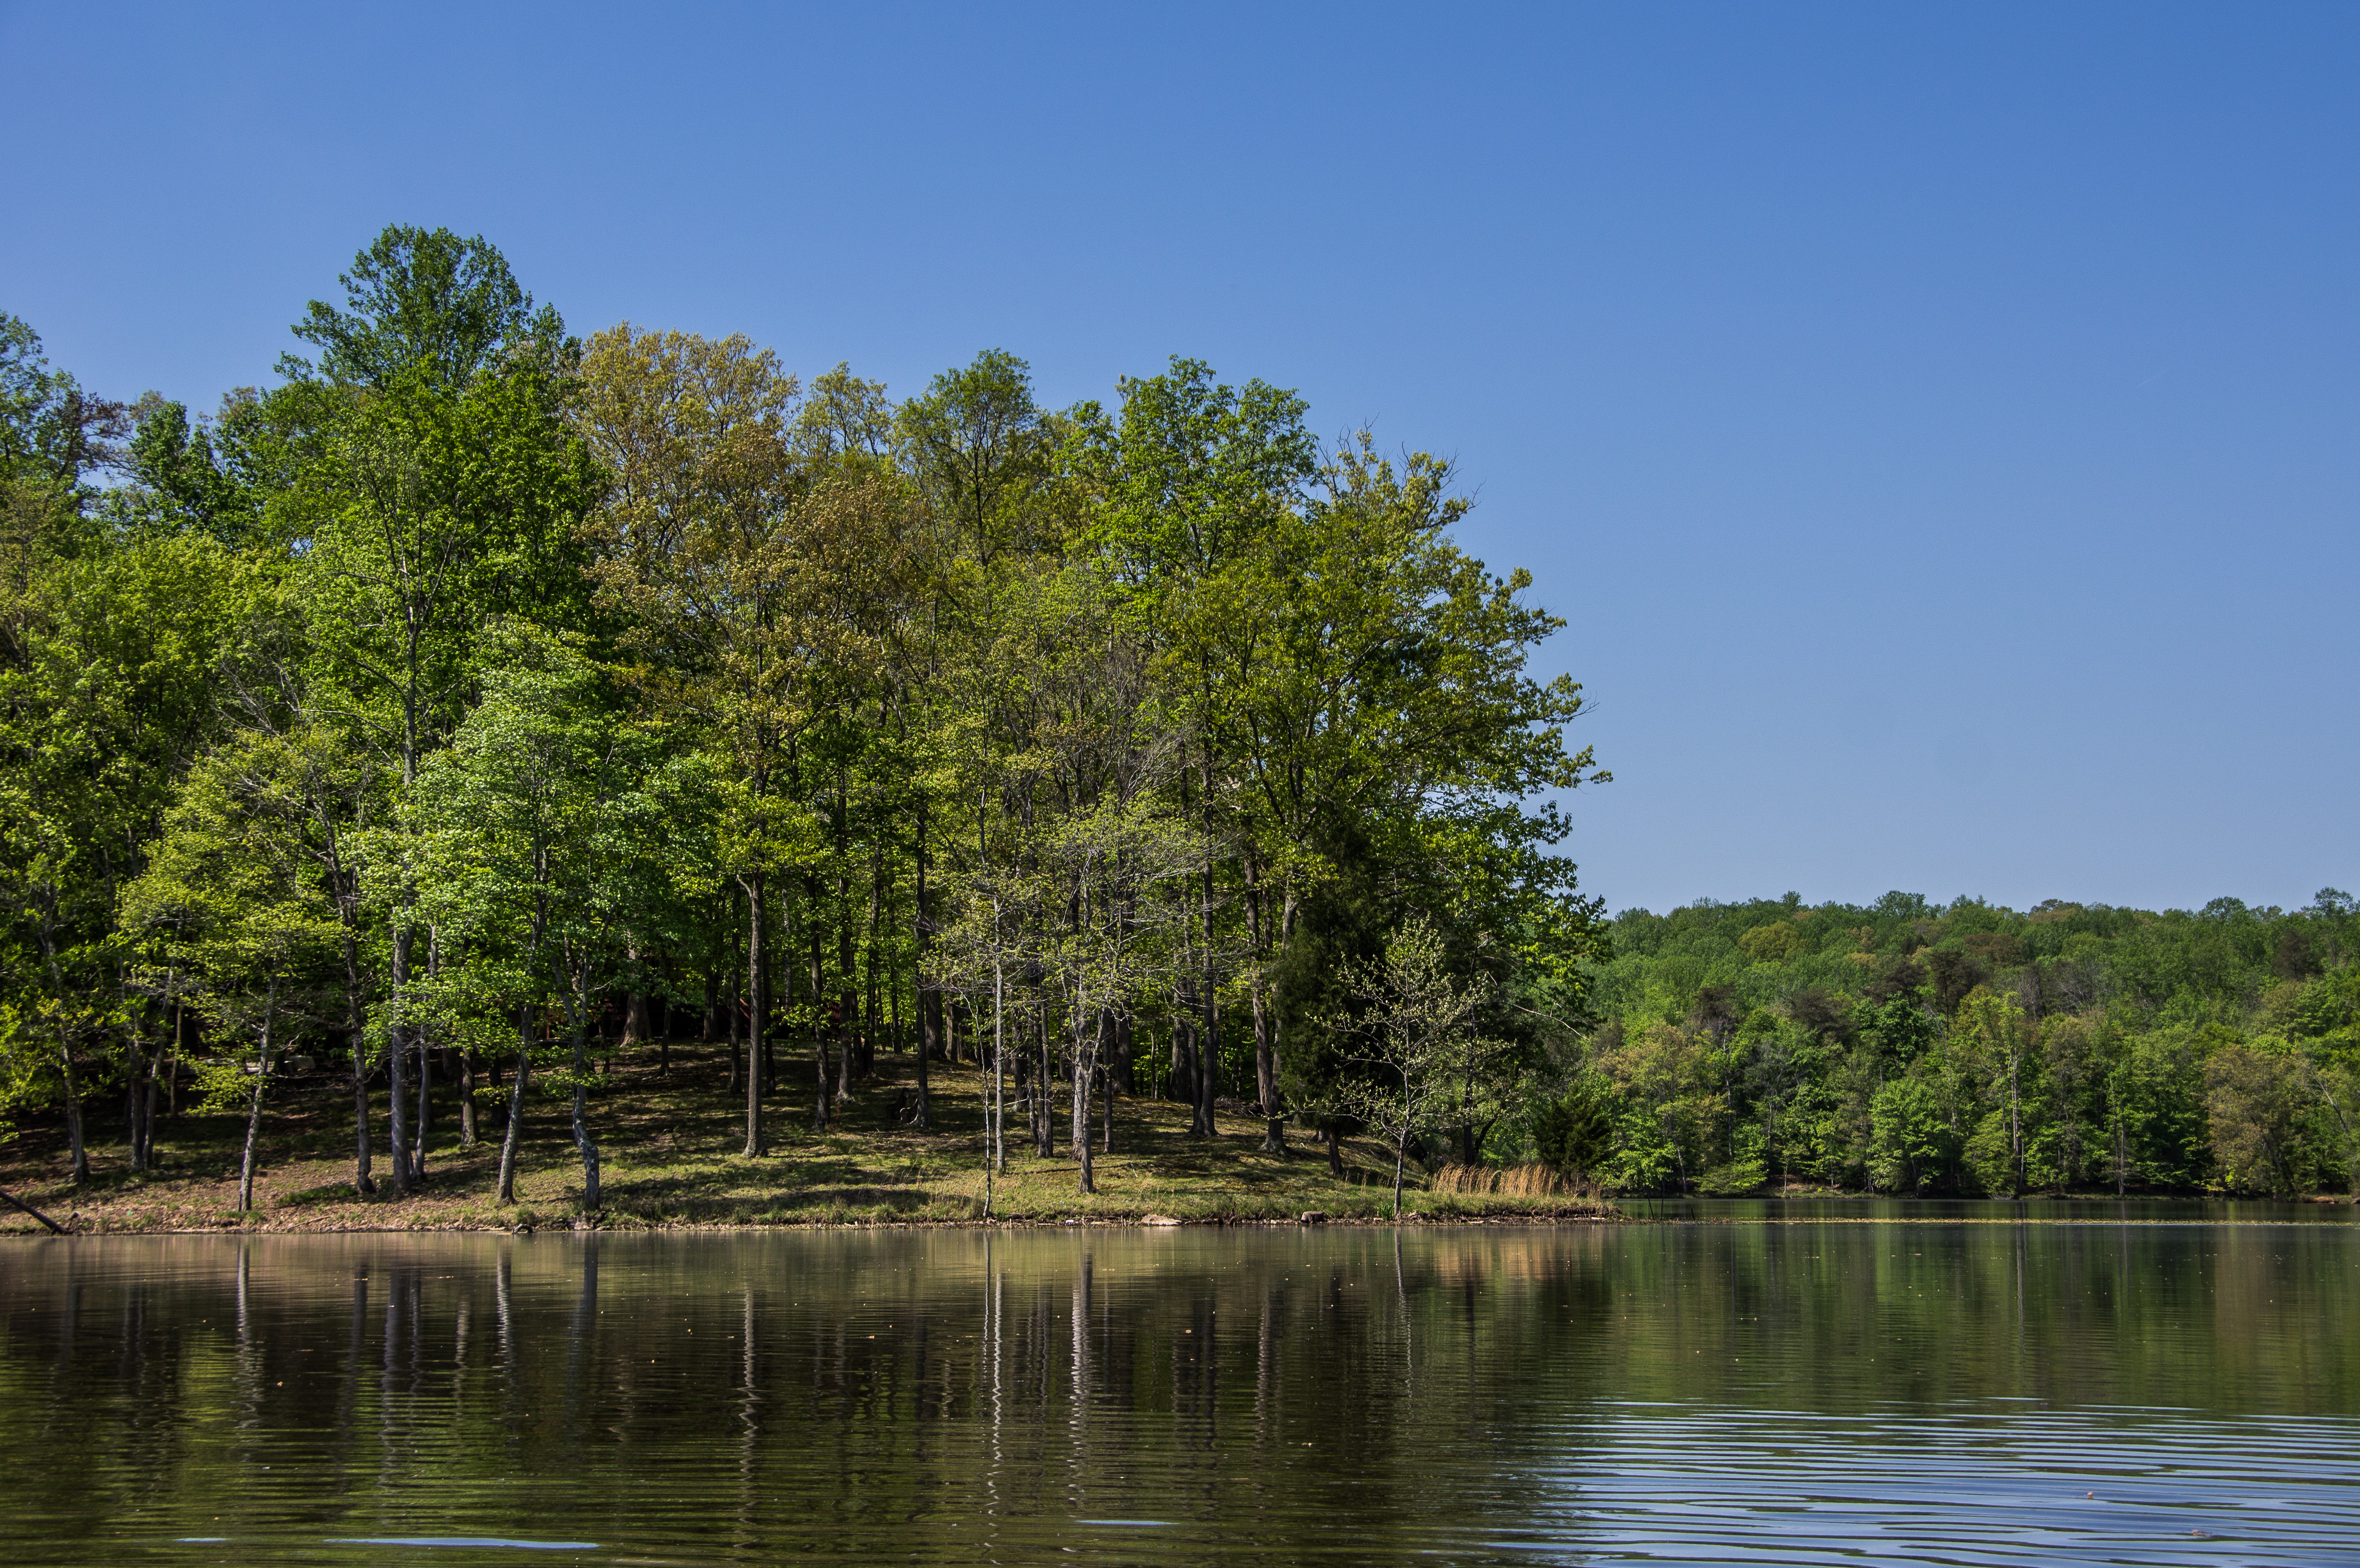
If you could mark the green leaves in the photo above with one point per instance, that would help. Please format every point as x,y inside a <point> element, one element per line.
<point>424,303</point>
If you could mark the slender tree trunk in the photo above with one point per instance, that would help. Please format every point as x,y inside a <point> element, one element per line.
<point>425,1107</point>
<point>999,1117</point>
<point>869,989</point>
<point>1335,1140</point>
<point>1083,1064</point>
<point>467,1096</point>
<point>1208,1043</point>
<point>1078,1136</point>
<point>755,1145</point>
<point>1208,1058</point>
<point>2122,1154</point>
<point>397,1055</point>
<point>78,1152</point>
<point>2015,1126</point>
<point>583,1141</point>
<point>363,1183</point>
<point>426,1062</point>
<point>1045,1108</point>
<point>516,1105</point>
<point>355,1021</point>
<point>847,999</point>
<point>1181,1086</point>
<point>736,1002</point>
<point>636,1029</point>
<point>135,1141</point>
<point>819,1028</point>
<point>1400,1156</point>
<point>1274,1136</point>
<point>253,1105</point>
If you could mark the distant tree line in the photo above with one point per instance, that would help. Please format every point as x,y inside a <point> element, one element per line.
<point>1908,1047</point>
<point>474,694</point>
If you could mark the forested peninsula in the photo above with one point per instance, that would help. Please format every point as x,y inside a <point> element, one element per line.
<point>479,705</point>
<point>491,775</point>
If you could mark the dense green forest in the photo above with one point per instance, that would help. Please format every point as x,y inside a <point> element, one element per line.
<point>477,694</point>
<point>1911,1047</point>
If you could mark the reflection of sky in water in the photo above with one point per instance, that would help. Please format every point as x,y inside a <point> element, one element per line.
<point>1972,1484</point>
<point>1917,1393</point>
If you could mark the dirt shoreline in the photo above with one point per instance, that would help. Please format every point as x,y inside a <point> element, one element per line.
<point>671,1132</point>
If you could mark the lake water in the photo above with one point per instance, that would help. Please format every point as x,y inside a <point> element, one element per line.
<point>1902,1386</point>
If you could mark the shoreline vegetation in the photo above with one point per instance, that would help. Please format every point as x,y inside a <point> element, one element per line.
<point>673,1160</point>
<point>478,695</point>
<point>457,720</point>
<point>1967,1050</point>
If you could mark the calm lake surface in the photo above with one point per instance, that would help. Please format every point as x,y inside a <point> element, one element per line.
<point>1906,1384</point>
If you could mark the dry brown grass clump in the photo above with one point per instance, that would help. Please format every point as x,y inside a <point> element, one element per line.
<point>1528,1181</point>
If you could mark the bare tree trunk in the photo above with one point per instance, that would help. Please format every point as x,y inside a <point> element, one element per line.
<point>2015,1128</point>
<point>1401,1154</point>
<point>1044,1100</point>
<point>735,1002</point>
<point>425,1107</point>
<point>847,999</point>
<point>756,1146</point>
<point>588,1146</point>
<point>355,1025</point>
<point>1078,1135</point>
<point>363,1183</point>
<point>1180,1083</point>
<point>870,1008</point>
<point>819,1032</point>
<point>998,1113</point>
<point>426,1063</point>
<point>840,1009</point>
<point>467,1097</point>
<point>516,1105</point>
<point>172,1074</point>
<point>1274,1136</point>
<point>1121,1074</point>
<point>1081,1135</point>
<point>637,1028</point>
<point>1208,1059</point>
<point>156,1070</point>
<point>1208,1039</point>
<point>253,1105</point>
<point>78,1153</point>
<point>397,1065</point>
<point>135,1143</point>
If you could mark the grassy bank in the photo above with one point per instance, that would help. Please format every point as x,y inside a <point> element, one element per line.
<point>670,1143</point>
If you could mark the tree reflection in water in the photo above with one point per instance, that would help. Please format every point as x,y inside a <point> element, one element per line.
<point>1488,1394</point>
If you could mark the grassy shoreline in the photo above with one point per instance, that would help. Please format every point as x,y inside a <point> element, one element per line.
<point>670,1143</point>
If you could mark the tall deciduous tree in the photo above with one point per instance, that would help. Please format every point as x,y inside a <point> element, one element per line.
<point>536,824</point>
<point>451,490</point>
<point>759,580</point>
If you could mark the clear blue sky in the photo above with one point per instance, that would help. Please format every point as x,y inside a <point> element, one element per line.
<point>1936,426</point>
